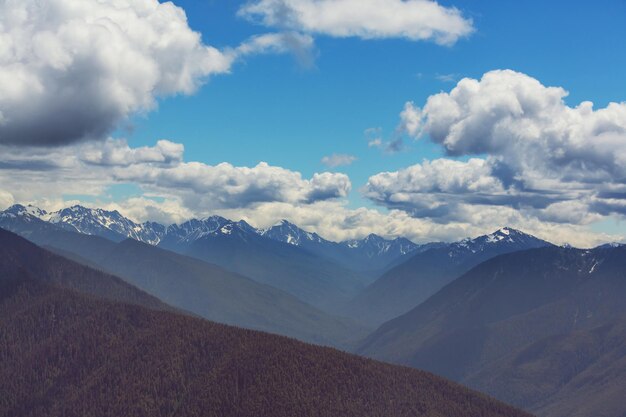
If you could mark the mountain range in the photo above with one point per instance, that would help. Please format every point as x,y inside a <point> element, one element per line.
<point>371,252</point>
<point>536,325</point>
<point>322,273</point>
<point>199,287</point>
<point>78,342</point>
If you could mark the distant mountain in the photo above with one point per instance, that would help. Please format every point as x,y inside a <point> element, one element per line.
<point>408,284</point>
<point>238,247</point>
<point>195,286</point>
<point>108,224</point>
<point>369,255</point>
<point>541,329</point>
<point>67,354</point>
<point>611,245</point>
<point>287,232</point>
<point>220,295</point>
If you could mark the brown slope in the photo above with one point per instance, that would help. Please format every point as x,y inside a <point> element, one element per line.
<point>68,354</point>
<point>19,257</point>
<point>65,353</point>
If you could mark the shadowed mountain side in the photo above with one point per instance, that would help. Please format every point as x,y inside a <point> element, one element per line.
<point>200,288</point>
<point>235,246</point>
<point>579,374</point>
<point>313,279</point>
<point>19,257</point>
<point>501,306</point>
<point>71,355</point>
<point>223,296</point>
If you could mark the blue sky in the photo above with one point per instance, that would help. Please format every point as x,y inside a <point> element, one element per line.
<point>266,107</point>
<point>270,109</point>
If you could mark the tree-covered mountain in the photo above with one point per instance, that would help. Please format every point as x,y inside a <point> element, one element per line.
<point>541,329</point>
<point>70,354</point>
<point>408,284</point>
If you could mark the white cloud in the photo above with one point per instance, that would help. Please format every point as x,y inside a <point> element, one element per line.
<point>391,146</point>
<point>74,69</point>
<point>430,188</point>
<point>416,20</point>
<point>90,168</point>
<point>224,185</point>
<point>528,126</point>
<point>117,153</point>
<point>547,161</point>
<point>337,160</point>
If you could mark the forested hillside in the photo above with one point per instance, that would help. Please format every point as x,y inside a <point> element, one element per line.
<point>63,353</point>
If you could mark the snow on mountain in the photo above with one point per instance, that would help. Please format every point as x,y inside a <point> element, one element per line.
<point>109,224</point>
<point>370,247</point>
<point>374,245</point>
<point>286,232</point>
<point>506,237</point>
<point>611,245</point>
<point>195,229</point>
<point>113,225</point>
<point>106,223</point>
<point>18,210</point>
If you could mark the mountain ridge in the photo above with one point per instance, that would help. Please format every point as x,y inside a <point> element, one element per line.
<point>370,253</point>
<point>413,281</point>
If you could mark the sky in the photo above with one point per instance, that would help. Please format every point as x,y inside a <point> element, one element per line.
<point>433,121</point>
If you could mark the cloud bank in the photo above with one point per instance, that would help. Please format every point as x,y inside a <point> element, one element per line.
<point>90,168</point>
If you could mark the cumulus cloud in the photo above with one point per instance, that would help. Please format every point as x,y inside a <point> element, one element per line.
<point>74,69</point>
<point>227,186</point>
<point>337,160</point>
<point>538,155</point>
<point>117,153</point>
<point>415,20</point>
<point>529,126</point>
<point>433,188</point>
<point>90,168</point>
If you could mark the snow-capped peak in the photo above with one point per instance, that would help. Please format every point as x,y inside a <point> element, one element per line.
<point>505,237</point>
<point>375,245</point>
<point>29,210</point>
<point>286,232</point>
<point>105,223</point>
